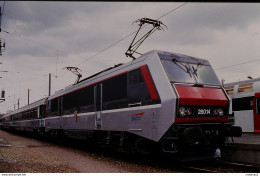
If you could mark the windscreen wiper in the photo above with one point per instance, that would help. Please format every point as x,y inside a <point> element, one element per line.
<point>195,70</point>
<point>181,66</point>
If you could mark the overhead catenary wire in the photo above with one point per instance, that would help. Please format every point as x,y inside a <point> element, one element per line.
<point>23,73</point>
<point>110,46</point>
<point>103,50</point>
<point>239,75</point>
<point>16,34</point>
<point>93,56</point>
<point>234,65</point>
<point>122,39</point>
<point>172,10</point>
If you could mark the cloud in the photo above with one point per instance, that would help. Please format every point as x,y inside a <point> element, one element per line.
<point>196,22</point>
<point>224,33</point>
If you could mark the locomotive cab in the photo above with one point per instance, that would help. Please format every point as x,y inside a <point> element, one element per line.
<point>201,121</point>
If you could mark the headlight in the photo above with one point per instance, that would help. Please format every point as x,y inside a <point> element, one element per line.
<point>182,111</point>
<point>218,112</point>
<point>185,111</point>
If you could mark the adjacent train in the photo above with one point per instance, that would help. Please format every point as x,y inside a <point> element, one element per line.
<point>160,100</point>
<point>246,104</point>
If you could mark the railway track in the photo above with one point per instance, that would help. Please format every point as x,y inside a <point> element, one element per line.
<point>155,161</point>
<point>222,167</point>
<point>240,166</point>
<point>197,169</point>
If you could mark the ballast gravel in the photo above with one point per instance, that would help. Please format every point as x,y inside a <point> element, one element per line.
<point>21,154</point>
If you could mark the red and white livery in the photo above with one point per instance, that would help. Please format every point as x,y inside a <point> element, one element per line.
<point>160,100</point>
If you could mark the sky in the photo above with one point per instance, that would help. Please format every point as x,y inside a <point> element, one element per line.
<point>45,37</point>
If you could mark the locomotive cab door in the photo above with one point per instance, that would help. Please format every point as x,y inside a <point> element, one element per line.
<point>98,104</point>
<point>257,113</point>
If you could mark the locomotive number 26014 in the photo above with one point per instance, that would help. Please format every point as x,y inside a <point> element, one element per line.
<point>203,111</point>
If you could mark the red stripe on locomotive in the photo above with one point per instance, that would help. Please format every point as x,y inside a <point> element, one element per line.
<point>139,114</point>
<point>149,82</point>
<point>201,96</point>
<point>198,120</point>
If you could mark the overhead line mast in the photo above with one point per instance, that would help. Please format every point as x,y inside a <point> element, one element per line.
<point>2,41</point>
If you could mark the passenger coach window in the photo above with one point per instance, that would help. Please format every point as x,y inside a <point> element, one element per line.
<point>115,92</point>
<point>34,114</point>
<point>81,100</point>
<point>258,105</point>
<point>242,104</point>
<point>248,87</point>
<point>53,107</point>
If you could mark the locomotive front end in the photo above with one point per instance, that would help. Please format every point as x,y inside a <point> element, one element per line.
<point>201,121</point>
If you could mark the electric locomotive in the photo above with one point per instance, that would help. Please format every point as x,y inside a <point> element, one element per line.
<point>159,99</point>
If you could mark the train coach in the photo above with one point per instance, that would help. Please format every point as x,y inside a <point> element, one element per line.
<point>28,118</point>
<point>246,104</point>
<point>161,99</point>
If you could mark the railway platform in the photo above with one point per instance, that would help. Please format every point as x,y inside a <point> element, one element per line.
<point>248,138</point>
<point>246,149</point>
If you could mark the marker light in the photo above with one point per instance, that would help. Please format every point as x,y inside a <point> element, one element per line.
<point>215,112</point>
<point>218,112</point>
<point>188,111</point>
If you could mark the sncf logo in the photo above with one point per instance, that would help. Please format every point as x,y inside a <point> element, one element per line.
<point>137,117</point>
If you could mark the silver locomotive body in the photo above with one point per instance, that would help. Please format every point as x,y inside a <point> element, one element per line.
<point>161,99</point>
